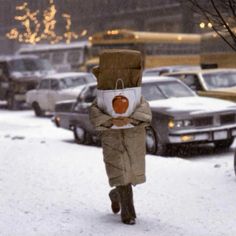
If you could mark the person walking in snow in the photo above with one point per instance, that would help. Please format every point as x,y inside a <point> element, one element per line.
<point>124,149</point>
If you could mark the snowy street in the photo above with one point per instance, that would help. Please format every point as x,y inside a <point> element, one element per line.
<point>50,186</point>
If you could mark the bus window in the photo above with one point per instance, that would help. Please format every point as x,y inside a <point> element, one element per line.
<point>57,57</point>
<point>45,55</point>
<point>75,57</point>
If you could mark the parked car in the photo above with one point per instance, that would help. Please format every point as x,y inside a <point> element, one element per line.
<point>218,83</point>
<point>19,74</point>
<point>156,71</point>
<point>179,116</point>
<point>55,88</point>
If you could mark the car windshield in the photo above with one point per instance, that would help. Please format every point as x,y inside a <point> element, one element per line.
<point>30,64</point>
<point>165,90</point>
<point>90,78</point>
<point>90,94</point>
<point>220,79</point>
<point>71,82</point>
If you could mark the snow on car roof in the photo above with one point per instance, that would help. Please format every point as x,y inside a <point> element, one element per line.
<point>150,79</point>
<point>202,71</point>
<point>218,70</point>
<point>66,74</point>
<point>182,67</point>
<point>91,84</point>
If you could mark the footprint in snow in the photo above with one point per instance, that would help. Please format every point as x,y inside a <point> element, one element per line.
<point>18,138</point>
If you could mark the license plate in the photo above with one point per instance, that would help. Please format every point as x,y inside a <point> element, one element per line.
<point>220,135</point>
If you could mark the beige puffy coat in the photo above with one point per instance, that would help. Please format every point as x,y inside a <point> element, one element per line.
<point>123,149</point>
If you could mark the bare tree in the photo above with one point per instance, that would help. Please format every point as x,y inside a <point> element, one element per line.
<point>221,14</point>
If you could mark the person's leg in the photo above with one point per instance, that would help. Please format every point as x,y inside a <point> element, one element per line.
<point>132,209</point>
<point>127,208</point>
<point>115,200</point>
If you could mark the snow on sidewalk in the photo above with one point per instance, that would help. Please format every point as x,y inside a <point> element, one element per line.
<point>50,186</point>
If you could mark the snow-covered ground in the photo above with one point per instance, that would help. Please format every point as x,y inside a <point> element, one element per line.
<point>50,186</point>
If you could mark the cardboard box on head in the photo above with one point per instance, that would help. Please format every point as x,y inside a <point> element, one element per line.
<point>119,64</point>
<point>119,77</point>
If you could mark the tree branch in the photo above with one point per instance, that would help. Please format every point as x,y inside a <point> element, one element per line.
<point>222,37</point>
<point>223,21</point>
<point>232,7</point>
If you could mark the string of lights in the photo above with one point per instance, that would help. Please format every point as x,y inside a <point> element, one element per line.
<point>33,30</point>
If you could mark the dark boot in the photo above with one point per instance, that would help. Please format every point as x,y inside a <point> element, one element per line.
<point>115,200</point>
<point>127,209</point>
<point>131,203</point>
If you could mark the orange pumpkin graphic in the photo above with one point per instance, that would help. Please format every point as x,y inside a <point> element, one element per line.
<point>120,104</point>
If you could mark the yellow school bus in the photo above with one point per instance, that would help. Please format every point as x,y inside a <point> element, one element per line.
<point>158,49</point>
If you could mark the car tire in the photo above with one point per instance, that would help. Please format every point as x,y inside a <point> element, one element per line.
<point>154,146</point>
<point>222,144</point>
<point>81,136</point>
<point>151,141</point>
<point>37,109</point>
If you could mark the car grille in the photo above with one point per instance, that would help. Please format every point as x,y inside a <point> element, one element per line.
<point>203,121</point>
<point>227,119</point>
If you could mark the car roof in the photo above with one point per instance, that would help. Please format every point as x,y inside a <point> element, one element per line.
<point>218,70</point>
<point>56,47</point>
<point>66,74</point>
<point>202,71</point>
<point>146,79</point>
<point>91,84</point>
<point>151,79</point>
<point>171,67</point>
<point>16,57</point>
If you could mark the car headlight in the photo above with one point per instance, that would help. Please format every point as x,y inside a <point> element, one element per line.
<point>171,124</point>
<point>179,123</point>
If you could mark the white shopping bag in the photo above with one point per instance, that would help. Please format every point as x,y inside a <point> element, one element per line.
<point>119,102</point>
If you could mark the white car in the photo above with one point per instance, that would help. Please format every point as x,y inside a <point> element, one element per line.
<point>55,88</point>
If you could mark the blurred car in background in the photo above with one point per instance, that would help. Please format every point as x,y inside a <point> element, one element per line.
<point>168,69</point>
<point>179,116</point>
<point>218,83</point>
<point>19,74</point>
<point>55,88</point>
<point>182,117</point>
<point>63,56</point>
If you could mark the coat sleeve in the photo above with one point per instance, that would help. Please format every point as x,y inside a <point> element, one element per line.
<point>99,119</point>
<point>142,114</point>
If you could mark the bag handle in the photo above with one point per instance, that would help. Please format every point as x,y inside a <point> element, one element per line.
<point>122,82</point>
